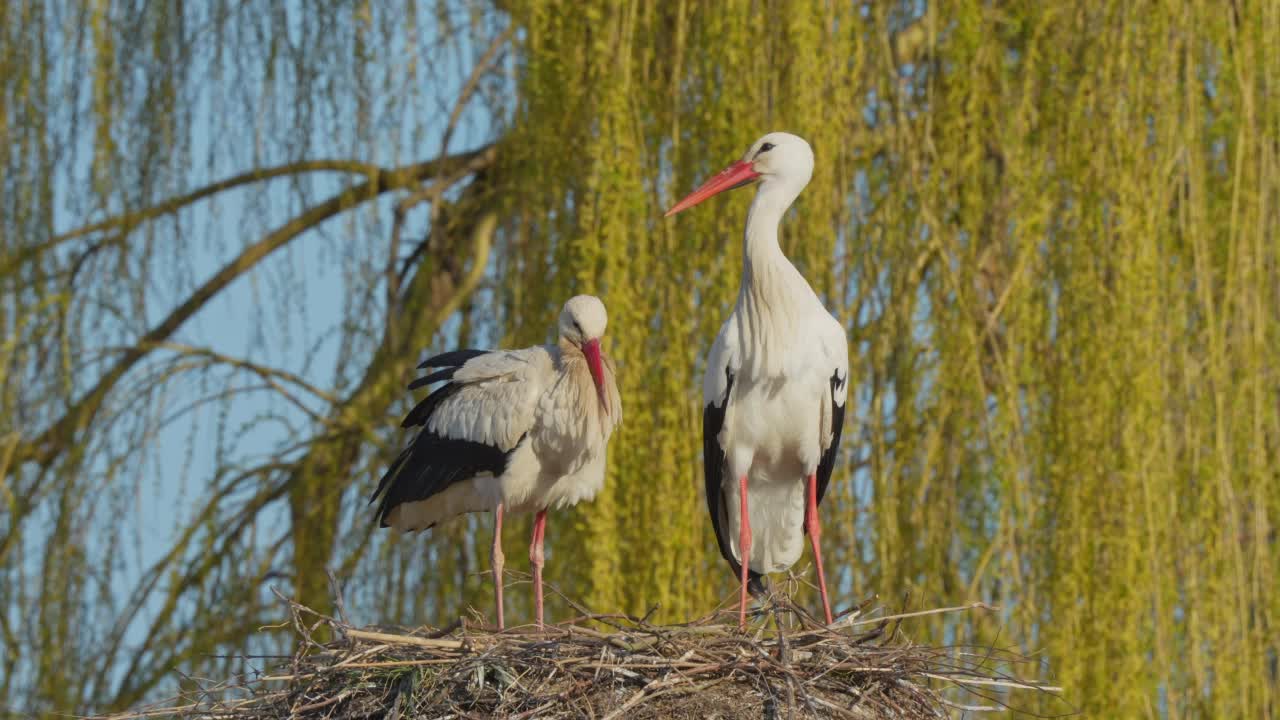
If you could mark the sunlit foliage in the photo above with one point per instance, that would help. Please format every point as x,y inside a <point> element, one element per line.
<point>1050,229</point>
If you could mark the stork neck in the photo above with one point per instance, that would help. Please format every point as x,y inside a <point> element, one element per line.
<point>771,299</point>
<point>764,267</point>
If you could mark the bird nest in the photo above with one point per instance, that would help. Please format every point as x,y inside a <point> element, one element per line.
<point>611,666</point>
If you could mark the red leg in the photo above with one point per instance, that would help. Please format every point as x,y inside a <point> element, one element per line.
<point>495,559</point>
<point>535,560</point>
<point>815,538</point>
<point>744,548</point>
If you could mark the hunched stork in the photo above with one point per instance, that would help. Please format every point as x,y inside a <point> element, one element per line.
<point>775,385</point>
<point>509,431</point>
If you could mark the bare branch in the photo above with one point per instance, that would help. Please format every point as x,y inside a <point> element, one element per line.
<point>128,221</point>
<point>482,66</point>
<point>269,374</point>
<point>433,193</point>
<point>133,219</point>
<point>50,443</point>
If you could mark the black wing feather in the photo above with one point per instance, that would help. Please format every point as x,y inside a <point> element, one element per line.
<point>827,463</point>
<point>437,376</point>
<point>432,463</point>
<point>452,358</point>
<point>449,363</point>
<point>714,468</point>
<point>422,411</point>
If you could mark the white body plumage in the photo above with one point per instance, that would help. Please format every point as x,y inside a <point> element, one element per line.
<point>778,423</point>
<point>537,406</point>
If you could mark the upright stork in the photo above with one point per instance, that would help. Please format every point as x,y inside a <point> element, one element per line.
<point>509,431</point>
<point>775,385</point>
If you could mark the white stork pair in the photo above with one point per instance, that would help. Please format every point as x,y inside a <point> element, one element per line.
<point>522,430</point>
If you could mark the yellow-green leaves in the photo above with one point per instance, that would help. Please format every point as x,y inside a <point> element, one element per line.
<point>1050,231</point>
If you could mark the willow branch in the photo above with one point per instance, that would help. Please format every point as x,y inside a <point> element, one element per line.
<point>434,193</point>
<point>133,219</point>
<point>163,569</point>
<point>482,66</point>
<point>268,374</point>
<point>130,220</point>
<point>214,550</point>
<point>54,439</point>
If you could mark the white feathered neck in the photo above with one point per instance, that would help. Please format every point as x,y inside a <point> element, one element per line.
<point>773,296</point>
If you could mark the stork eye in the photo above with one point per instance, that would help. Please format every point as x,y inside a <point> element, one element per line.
<point>764,149</point>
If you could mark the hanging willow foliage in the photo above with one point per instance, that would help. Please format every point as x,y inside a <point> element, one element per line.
<point>1051,232</point>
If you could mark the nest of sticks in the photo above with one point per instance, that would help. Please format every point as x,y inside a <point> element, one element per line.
<point>786,665</point>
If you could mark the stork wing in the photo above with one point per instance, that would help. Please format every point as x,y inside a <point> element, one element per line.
<point>717,389</point>
<point>836,354</point>
<point>471,425</point>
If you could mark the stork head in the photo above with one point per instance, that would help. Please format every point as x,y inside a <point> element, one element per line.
<point>777,159</point>
<point>582,322</point>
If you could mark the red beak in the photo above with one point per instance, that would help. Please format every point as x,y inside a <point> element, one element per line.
<point>736,175</point>
<point>591,349</point>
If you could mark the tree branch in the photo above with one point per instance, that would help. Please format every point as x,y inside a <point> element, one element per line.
<point>48,445</point>
<point>133,219</point>
<point>130,220</point>
<point>473,81</point>
<point>268,374</point>
<point>196,571</point>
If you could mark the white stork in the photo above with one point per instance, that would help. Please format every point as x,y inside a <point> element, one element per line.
<point>511,431</point>
<point>775,384</point>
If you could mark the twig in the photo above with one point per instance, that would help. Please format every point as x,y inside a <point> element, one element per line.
<point>405,639</point>
<point>920,613</point>
<point>322,704</point>
<point>996,683</point>
<point>653,686</point>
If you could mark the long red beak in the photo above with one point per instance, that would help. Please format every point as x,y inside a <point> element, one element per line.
<point>736,175</point>
<point>591,349</point>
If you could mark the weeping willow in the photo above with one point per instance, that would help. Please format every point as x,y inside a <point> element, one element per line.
<point>1049,228</point>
